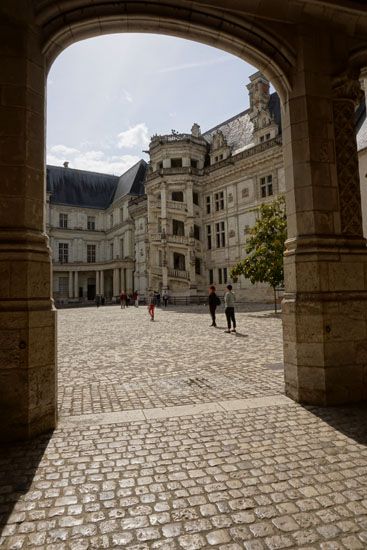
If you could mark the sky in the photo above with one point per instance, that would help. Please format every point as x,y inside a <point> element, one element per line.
<point>108,95</point>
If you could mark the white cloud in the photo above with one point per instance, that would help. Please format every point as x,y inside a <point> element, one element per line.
<point>137,136</point>
<point>60,150</point>
<point>94,161</point>
<point>194,65</point>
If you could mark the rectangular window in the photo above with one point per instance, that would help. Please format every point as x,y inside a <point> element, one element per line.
<point>176,163</point>
<point>177,196</point>
<point>122,216</point>
<point>63,285</point>
<point>178,228</point>
<point>63,253</point>
<point>63,220</point>
<point>211,278</point>
<point>267,136</point>
<point>225,275</point>
<point>197,266</point>
<point>195,198</point>
<point>194,163</point>
<point>220,276</point>
<point>111,251</point>
<point>122,255</point>
<point>262,138</point>
<point>208,205</point>
<point>197,232</point>
<point>266,186</point>
<point>220,235</point>
<point>219,201</point>
<point>91,223</point>
<point>91,253</point>
<point>178,261</point>
<point>209,236</point>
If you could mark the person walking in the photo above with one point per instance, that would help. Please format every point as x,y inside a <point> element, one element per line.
<point>229,301</point>
<point>158,296</point>
<point>213,301</point>
<point>165,298</point>
<point>98,300</point>
<point>136,298</point>
<point>151,306</point>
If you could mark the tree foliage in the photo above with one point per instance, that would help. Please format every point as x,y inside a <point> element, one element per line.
<point>265,246</point>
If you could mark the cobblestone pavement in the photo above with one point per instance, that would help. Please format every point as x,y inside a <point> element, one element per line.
<point>268,474</point>
<point>118,360</point>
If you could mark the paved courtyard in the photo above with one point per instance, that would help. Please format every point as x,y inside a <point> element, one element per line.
<point>174,435</point>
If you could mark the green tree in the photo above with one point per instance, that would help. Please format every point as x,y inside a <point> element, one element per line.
<point>265,247</point>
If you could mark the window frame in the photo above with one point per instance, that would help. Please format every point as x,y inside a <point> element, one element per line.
<point>63,253</point>
<point>91,253</point>
<point>63,220</point>
<point>91,223</point>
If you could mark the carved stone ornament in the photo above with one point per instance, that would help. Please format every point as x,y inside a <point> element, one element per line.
<point>348,87</point>
<point>347,168</point>
<point>219,140</point>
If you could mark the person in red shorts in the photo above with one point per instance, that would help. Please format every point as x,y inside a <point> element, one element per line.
<point>151,306</point>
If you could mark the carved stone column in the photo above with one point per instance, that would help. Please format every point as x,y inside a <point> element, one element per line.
<point>27,315</point>
<point>325,303</point>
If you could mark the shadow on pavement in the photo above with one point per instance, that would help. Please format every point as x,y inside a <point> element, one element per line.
<point>349,420</point>
<point>18,465</point>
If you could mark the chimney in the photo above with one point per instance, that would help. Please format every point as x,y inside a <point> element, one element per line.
<point>66,164</point>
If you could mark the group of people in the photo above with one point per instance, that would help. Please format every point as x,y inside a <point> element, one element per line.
<point>229,301</point>
<point>214,301</point>
<point>125,299</point>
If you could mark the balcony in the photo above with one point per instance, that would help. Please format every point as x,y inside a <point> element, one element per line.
<point>176,239</point>
<point>175,205</point>
<point>178,274</point>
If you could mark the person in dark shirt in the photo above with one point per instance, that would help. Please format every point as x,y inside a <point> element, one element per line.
<point>213,301</point>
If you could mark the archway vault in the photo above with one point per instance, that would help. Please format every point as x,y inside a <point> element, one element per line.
<point>261,45</point>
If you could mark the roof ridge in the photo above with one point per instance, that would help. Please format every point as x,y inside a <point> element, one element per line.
<point>53,166</point>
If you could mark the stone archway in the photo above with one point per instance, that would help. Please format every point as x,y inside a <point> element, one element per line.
<point>325,321</point>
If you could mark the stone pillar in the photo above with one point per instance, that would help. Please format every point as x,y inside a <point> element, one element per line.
<point>122,280</point>
<point>116,282</point>
<point>70,284</point>
<point>28,403</point>
<point>76,284</point>
<point>325,303</point>
<point>97,283</point>
<point>129,281</point>
<point>101,282</point>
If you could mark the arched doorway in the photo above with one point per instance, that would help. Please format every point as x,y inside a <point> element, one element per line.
<point>324,319</point>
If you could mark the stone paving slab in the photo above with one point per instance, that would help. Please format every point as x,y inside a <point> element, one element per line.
<point>171,412</point>
<point>254,471</point>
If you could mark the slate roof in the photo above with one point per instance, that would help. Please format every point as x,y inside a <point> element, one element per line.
<point>238,129</point>
<point>72,187</point>
<point>132,182</point>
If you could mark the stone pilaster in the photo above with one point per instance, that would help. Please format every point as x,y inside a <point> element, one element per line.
<point>27,315</point>
<point>325,304</point>
<point>76,284</point>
